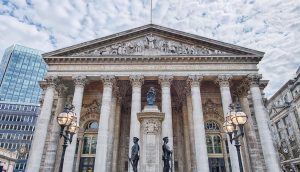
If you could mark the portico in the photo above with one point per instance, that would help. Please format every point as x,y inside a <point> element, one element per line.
<point>107,80</point>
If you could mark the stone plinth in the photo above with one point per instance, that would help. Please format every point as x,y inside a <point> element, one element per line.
<point>151,140</point>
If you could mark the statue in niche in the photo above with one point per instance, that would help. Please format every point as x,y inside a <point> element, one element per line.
<point>134,159</point>
<point>167,155</point>
<point>150,40</point>
<point>151,96</point>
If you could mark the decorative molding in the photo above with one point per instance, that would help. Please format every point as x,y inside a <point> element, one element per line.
<point>243,88</point>
<point>210,107</point>
<point>254,59</point>
<point>91,108</point>
<point>62,90</point>
<point>149,45</point>
<point>108,80</point>
<point>254,79</point>
<point>136,80</point>
<point>224,80</point>
<point>51,80</point>
<point>79,80</point>
<point>194,80</point>
<point>165,80</point>
<point>152,126</point>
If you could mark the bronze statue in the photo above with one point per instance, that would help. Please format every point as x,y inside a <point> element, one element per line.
<point>135,154</point>
<point>151,96</point>
<point>167,155</point>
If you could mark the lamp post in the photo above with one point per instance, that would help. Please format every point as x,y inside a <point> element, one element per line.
<point>67,119</point>
<point>234,127</point>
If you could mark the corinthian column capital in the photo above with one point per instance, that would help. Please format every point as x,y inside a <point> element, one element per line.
<point>194,80</point>
<point>254,79</point>
<point>79,80</point>
<point>51,80</point>
<point>224,80</point>
<point>136,80</point>
<point>108,80</point>
<point>165,80</point>
<point>61,90</point>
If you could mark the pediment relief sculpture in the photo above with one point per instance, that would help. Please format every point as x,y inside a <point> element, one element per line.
<point>150,45</point>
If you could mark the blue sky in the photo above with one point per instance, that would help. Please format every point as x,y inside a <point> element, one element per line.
<point>264,25</point>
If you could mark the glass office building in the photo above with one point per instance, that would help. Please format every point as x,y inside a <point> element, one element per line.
<point>21,69</point>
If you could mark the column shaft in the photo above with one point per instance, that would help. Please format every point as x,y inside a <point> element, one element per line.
<point>199,130</point>
<point>111,128</point>
<point>167,127</point>
<point>136,82</point>
<point>186,138</point>
<point>226,101</point>
<point>55,131</point>
<point>77,102</point>
<point>191,131</point>
<point>117,135</point>
<point>261,114</point>
<point>102,138</point>
<point>38,142</point>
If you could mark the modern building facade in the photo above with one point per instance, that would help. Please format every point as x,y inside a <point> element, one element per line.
<point>284,110</point>
<point>21,69</point>
<point>195,79</point>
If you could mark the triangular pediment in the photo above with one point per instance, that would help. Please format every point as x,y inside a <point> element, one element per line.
<point>153,40</point>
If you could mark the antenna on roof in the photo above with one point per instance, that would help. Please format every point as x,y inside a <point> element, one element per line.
<point>151,13</point>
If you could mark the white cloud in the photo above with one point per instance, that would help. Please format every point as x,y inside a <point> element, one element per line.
<point>270,26</point>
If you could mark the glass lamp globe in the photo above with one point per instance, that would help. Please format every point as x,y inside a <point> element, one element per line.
<point>73,127</point>
<point>64,118</point>
<point>228,127</point>
<point>240,118</point>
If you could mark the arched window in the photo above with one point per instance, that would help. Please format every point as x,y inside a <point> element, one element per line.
<point>214,145</point>
<point>88,148</point>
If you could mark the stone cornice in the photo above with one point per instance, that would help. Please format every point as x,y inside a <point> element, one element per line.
<point>153,59</point>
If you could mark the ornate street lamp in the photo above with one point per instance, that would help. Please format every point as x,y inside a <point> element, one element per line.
<point>67,119</point>
<point>234,127</point>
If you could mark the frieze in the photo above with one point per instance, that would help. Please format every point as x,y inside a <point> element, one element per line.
<point>91,108</point>
<point>150,45</point>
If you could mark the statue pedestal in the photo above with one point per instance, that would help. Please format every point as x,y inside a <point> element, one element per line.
<point>150,139</point>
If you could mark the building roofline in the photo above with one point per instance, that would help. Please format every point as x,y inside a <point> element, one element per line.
<point>154,28</point>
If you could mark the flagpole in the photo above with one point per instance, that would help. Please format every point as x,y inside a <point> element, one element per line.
<point>151,13</point>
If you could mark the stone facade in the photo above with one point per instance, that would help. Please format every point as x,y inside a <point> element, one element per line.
<point>284,110</point>
<point>195,79</point>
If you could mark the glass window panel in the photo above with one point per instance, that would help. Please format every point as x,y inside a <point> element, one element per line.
<point>217,144</point>
<point>86,145</point>
<point>209,144</point>
<point>93,145</point>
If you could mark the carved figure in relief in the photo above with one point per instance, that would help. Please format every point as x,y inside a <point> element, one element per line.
<point>150,40</point>
<point>152,127</point>
<point>151,96</point>
<point>134,159</point>
<point>167,155</point>
<point>114,49</point>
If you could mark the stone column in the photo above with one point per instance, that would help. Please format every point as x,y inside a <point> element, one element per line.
<point>102,138</point>
<point>256,160</point>
<point>117,135</point>
<point>136,82</point>
<point>262,119</point>
<point>186,135</point>
<point>38,142</point>
<point>79,82</point>
<point>167,128</point>
<point>223,81</point>
<point>198,122</point>
<point>191,129</point>
<point>111,128</point>
<point>55,130</point>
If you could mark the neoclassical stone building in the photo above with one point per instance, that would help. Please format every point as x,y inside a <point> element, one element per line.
<point>195,78</point>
